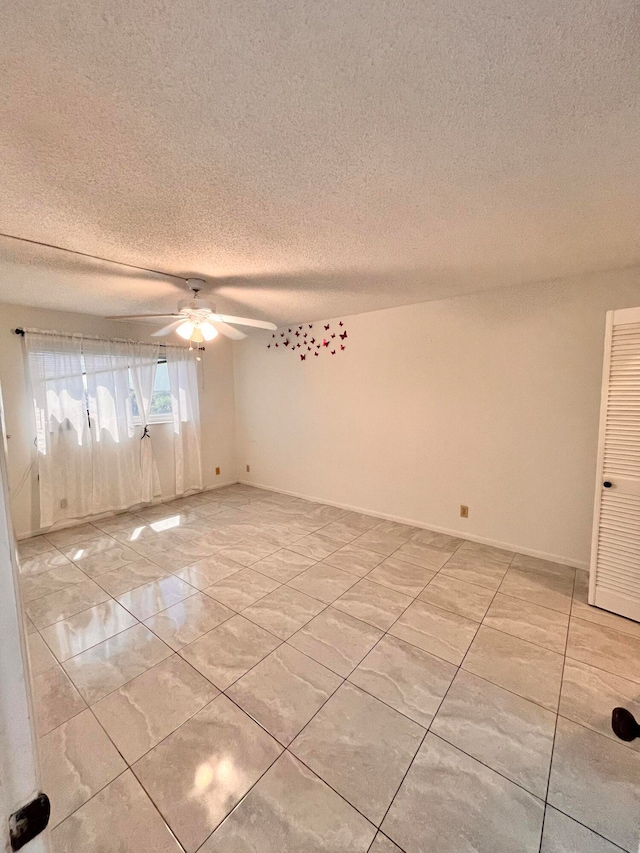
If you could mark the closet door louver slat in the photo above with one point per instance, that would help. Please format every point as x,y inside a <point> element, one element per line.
<point>615,554</point>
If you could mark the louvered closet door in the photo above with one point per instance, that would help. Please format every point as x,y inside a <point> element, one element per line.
<point>615,554</point>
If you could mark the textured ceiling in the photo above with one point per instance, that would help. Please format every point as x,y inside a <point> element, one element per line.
<point>315,157</point>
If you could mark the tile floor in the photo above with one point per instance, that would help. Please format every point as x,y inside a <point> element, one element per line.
<point>245,671</point>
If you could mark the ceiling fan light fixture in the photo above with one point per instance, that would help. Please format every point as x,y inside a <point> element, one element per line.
<point>197,336</point>
<point>209,332</point>
<point>185,330</point>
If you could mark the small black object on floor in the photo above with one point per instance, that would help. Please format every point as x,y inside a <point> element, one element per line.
<point>624,724</point>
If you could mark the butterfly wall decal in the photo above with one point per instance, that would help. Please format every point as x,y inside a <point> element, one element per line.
<point>302,357</point>
<point>343,335</point>
<point>305,339</point>
<point>326,328</point>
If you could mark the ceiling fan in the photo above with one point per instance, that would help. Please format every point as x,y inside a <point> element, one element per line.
<point>196,319</point>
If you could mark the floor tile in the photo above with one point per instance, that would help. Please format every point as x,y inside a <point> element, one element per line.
<point>545,588</point>
<point>323,582</point>
<point>113,558</point>
<point>530,671</point>
<point>406,678</point>
<point>378,605</point>
<point>441,541</point>
<point>589,695</point>
<point>145,601</point>
<point>604,648</point>
<point>597,782</point>
<point>336,640</point>
<point>242,589</point>
<point>72,535</point>
<point>86,629</point>
<point>315,545</point>
<point>250,551</point>
<point>283,611</point>
<point>208,571</point>
<point>382,844</point>
<point>119,819</point>
<point>130,577</point>
<point>401,576</point>
<point>32,547</point>
<point>341,531</point>
<point>142,712</point>
<point>360,520</point>
<point>465,599</point>
<point>360,747</point>
<point>40,657</point>
<point>228,651</point>
<point>326,514</point>
<point>198,774</point>
<point>419,554</point>
<point>55,699</point>
<point>538,625</point>
<point>112,523</point>
<point>184,622</point>
<point>381,543</point>
<point>451,803</point>
<point>563,835</point>
<point>90,547</point>
<point>60,605</point>
<point>284,691</point>
<point>354,559</point>
<point>290,810</point>
<point>404,532</point>
<point>477,566</point>
<point>45,583</point>
<point>110,664</point>
<point>77,760</point>
<point>283,565</point>
<point>438,631</point>
<point>502,730</point>
<point>43,562</point>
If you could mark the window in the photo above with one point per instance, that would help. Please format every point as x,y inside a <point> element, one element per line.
<point>160,399</point>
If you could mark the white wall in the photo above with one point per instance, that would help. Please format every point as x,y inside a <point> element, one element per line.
<point>489,400</point>
<point>216,406</point>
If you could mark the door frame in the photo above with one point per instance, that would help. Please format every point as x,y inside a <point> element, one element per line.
<point>20,771</point>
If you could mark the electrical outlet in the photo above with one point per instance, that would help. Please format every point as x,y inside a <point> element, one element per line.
<point>217,471</point>
<point>248,468</point>
<point>63,503</point>
<point>464,511</point>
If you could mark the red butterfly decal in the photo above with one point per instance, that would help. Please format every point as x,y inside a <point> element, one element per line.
<point>333,334</point>
<point>300,327</point>
<point>297,334</point>
<point>316,353</point>
<point>340,323</point>
<point>343,335</point>
<point>317,346</point>
<point>289,331</point>
<point>313,340</point>
<point>308,349</point>
<point>325,343</point>
<point>282,334</point>
<point>286,343</point>
<point>273,336</point>
<point>305,335</point>
<point>333,352</point>
<point>277,345</point>
<point>342,346</point>
<point>302,357</point>
<point>326,328</point>
<point>311,325</point>
<point>268,346</point>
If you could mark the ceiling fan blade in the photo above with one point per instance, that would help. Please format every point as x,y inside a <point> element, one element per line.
<point>245,321</point>
<point>140,316</point>
<point>165,330</point>
<point>228,331</point>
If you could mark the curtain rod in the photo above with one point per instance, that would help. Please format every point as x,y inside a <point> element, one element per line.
<point>21,332</point>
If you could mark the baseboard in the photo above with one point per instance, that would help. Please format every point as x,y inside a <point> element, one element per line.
<point>74,522</point>
<point>507,546</point>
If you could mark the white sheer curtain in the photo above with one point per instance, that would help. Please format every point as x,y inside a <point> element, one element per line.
<point>183,385</point>
<point>117,475</point>
<point>143,362</point>
<point>63,438</point>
